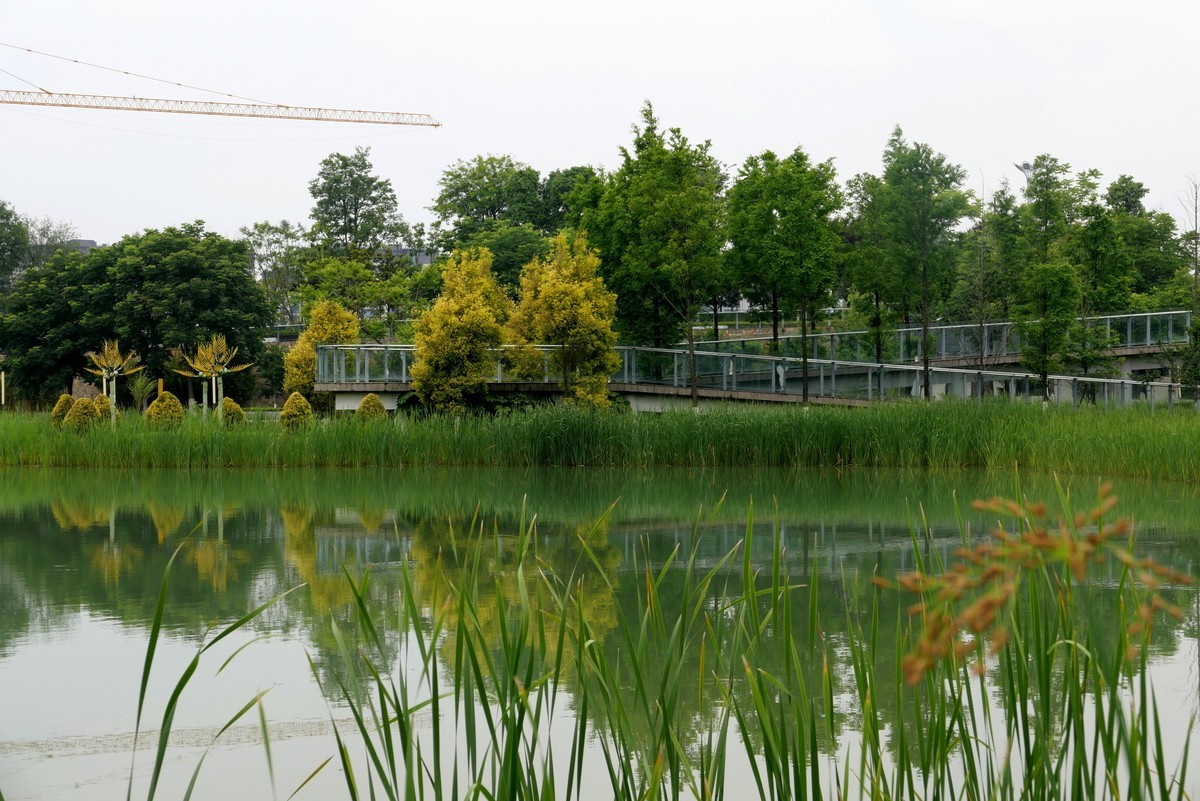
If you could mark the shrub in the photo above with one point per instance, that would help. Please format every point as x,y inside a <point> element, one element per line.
<point>60,410</point>
<point>103,412</point>
<point>231,412</point>
<point>296,412</point>
<point>82,415</point>
<point>371,408</point>
<point>166,410</point>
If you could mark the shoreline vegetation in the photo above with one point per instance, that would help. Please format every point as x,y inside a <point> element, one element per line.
<point>1137,442</point>
<point>989,674</point>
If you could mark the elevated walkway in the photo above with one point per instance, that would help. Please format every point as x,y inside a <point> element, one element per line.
<point>658,378</point>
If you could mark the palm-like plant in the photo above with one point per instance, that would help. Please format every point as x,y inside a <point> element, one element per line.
<point>212,361</point>
<point>110,363</point>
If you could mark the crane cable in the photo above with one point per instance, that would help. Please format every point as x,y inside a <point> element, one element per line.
<point>125,72</point>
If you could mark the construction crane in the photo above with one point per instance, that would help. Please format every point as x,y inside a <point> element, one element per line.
<point>270,111</point>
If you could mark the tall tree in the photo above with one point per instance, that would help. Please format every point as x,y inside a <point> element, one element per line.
<point>1049,301</point>
<point>46,235</point>
<point>780,224</point>
<point>14,242</point>
<point>477,194</point>
<point>165,290</point>
<point>923,202</point>
<point>354,211</point>
<point>658,226</point>
<point>277,251</point>
<point>564,303</point>
<point>872,272</point>
<point>456,339</point>
<point>42,330</point>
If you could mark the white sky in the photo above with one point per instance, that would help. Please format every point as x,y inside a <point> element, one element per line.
<point>556,83</point>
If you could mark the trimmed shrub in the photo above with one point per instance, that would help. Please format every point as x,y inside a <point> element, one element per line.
<point>166,410</point>
<point>231,412</point>
<point>81,417</point>
<point>101,402</point>
<point>296,412</point>
<point>59,412</point>
<point>371,408</point>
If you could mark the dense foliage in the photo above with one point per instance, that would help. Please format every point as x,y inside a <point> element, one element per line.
<point>674,233</point>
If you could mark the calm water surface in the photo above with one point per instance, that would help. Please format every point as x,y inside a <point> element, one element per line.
<point>82,555</point>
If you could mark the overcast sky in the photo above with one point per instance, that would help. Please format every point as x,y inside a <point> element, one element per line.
<point>1098,84</point>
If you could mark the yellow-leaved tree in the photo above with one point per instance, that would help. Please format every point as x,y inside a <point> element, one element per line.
<point>456,339</point>
<point>328,324</point>
<point>564,303</point>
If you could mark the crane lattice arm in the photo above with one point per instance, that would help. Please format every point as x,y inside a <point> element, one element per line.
<point>218,109</point>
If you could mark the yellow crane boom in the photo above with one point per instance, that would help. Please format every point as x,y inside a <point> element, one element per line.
<point>112,102</point>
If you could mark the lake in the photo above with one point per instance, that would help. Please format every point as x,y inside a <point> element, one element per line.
<point>82,555</point>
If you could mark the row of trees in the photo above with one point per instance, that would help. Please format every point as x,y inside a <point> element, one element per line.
<point>674,231</point>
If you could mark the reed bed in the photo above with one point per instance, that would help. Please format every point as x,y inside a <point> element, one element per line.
<point>1143,442</point>
<point>983,678</point>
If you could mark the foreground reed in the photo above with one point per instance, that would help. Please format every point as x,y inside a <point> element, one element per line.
<point>1138,441</point>
<point>497,675</point>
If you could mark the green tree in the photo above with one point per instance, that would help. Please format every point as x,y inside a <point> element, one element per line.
<point>658,226</point>
<point>14,243</point>
<point>1057,202</point>
<point>159,291</point>
<point>922,203</point>
<point>354,211</point>
<point>873,274</point>
<point>1049,301</point>
<point>1189,367</point>
<point>512,247</point>
<point>478,193</point>
<point>42,331</point>
<point>277,251</point>
<point>564,303</point>
<point>563,197</point>
<point>45,236</point>
<point>784,243</point>
<point>456,339</point>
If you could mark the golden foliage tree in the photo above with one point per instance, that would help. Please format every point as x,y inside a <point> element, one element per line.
<point>110,363</point>
<point>328,324</point>
<point>457,338</point>
<point>213,361</point>
<point>564,303</point>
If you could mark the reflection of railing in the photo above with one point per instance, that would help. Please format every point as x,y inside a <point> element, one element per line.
<point>969,341</point>
<point>779,375</point>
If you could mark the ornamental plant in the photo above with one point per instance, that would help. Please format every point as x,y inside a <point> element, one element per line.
<point>60,410</point>
<point>212,361</point>
<point>81,417</point>
<point>232,412</point>
<point>371,408</point>
<point>166,411</point>
<point>296,412</point>
<point>104,407</point>
<point>109,364</point>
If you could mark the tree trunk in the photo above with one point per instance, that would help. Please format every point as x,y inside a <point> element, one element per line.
<point>774,321</point>
<point>804,351</point>
<point>692,377</point>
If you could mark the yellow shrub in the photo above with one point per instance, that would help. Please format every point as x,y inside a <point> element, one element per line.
<point>166,410</point>
<point>231,412</point>
<point>296,412</point>
<point>82,415</point>
<point>371,408</point>
<point>60,410</point>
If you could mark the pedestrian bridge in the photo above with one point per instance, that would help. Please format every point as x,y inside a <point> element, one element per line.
<point>970,362</point>
<point>970,344</point>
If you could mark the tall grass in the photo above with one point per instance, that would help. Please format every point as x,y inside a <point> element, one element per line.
<point>521,686</point>
<point>1137,441</point>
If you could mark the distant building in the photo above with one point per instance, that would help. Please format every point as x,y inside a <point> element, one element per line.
<point>82,246</point>
<point>421,258</point>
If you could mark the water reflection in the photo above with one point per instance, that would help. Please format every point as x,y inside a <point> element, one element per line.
<point>83,541</point>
